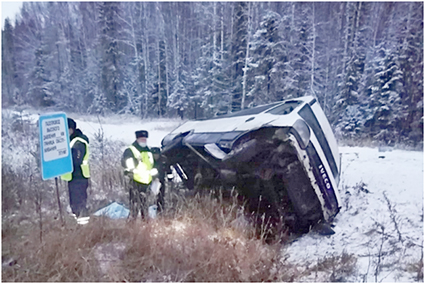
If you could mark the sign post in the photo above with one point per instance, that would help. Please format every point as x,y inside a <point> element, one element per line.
<point>55,152</point>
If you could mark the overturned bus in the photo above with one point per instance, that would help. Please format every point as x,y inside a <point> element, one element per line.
<point>282,157</point>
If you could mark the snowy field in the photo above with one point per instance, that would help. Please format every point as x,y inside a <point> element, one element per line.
<point>380,223</point>
<point>124,128</point>
<point>382,216</point>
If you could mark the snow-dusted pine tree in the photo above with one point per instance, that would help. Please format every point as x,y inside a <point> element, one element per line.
<point>266,69</point>
<point>239,50</point>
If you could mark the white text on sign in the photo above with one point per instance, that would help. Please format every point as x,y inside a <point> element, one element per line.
<point>54,140</point>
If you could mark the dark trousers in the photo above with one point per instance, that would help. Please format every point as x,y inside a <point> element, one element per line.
<point>78,196</point>
<point>160,202</point>
<point>138,198</point>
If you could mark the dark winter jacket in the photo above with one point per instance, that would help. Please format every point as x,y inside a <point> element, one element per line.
<point>78,152</point>
<point>161,165</point>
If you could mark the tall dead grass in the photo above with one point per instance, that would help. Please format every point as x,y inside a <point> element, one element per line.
<point>197,243</point>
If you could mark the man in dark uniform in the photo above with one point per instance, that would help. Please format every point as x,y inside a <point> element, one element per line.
<point>160,165</point>
<point>138,166</point>
<point>78,180</point>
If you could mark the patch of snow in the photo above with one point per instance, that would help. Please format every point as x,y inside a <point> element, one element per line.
<point>381,221</point>
<point>125,131</point>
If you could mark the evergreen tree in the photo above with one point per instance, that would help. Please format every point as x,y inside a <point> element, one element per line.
<point>209,77</point>
<point>178,101</point>
<point>159,94</point>
<point>385,106</point>
<point>410,54</point>
<point>351,87</point>
<point>111,69</point>
<point>199,59</point>
<point>269,62</point>
<point>239,50</point>
<point>26,39</point>
<point>301,51</point>
<point>40,87</point>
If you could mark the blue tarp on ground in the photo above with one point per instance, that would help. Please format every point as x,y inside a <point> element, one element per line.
<point>113,211</point>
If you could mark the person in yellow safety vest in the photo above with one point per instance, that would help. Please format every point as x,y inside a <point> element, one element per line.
<point>78,180</point>
<point>138,165</point>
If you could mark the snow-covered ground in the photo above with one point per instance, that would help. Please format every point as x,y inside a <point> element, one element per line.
<point>381,220</point>
<point>380,223</point>
<point>124,129</point>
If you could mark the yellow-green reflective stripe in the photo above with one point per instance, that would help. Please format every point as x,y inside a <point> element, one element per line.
<point>66,177</point>
<point>85,168</point>
<point>141,173</point>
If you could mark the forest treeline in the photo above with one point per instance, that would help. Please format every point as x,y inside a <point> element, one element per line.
<point>363,61</point>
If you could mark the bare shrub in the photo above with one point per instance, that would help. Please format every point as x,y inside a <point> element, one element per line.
<point>10,194</point>
<point>335,268</point>
<point>418,269</point>
<point>107,179</point>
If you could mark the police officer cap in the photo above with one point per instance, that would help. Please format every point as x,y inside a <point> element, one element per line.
<point>71,123</point>
<point>142,133</point>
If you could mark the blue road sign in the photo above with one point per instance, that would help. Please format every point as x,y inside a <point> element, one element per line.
<point>55,152</point>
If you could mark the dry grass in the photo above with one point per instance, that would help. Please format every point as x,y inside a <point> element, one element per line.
<point>192,245</point>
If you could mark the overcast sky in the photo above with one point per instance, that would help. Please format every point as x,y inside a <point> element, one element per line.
<point>8,10</point>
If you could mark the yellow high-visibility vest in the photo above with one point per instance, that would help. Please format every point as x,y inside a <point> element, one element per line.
<point>85,169</point>
<point>141,173</point>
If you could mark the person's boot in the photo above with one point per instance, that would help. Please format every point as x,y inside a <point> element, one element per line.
<point>83,217</point>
